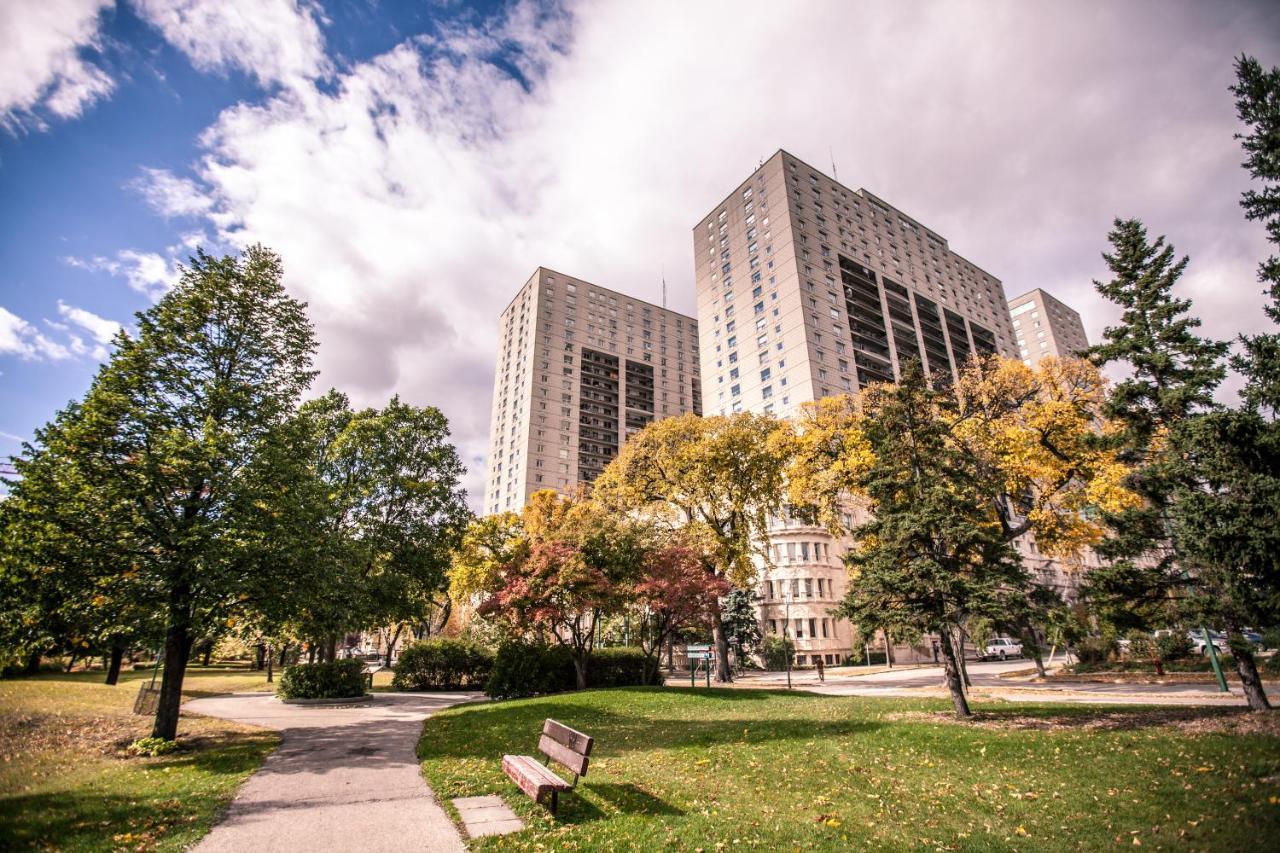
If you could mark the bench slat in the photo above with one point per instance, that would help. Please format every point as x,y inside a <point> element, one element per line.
<point>532,778</point>
<point>562,734</point>
<point>563,755</point>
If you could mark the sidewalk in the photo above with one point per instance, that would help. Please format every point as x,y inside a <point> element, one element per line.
<point>343,779</point>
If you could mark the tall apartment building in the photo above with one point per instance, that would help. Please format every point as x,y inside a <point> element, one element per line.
<point>807,288</point>
<point>580,368</point>
<point>1043,325</point>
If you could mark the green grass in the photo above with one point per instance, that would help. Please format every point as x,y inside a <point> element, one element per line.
<point>67,784</point>
<point>728,769</point>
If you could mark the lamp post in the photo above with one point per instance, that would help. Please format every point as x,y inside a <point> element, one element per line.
<point>786,626</point>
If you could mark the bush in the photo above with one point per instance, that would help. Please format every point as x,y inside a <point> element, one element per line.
<point>529,669</point>
<point>1142,647</point>
<point>1093,650</point>
<point>1271,666</point>
<point>442,664</point>
<point>152,746</point>
<point>620,666</point>
<point>341,679</point>
<point>1271,638</point>
<point>1175,646</point>
<point>776,651</point>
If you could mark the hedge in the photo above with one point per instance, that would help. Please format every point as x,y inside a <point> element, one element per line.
<point>442,664</point>
<point>531,669</point>
<point>341,679</point>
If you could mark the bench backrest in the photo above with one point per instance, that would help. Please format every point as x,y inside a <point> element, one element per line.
<point>568,748</point>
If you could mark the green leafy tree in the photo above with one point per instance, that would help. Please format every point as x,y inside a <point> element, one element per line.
<point>673,594</point>
<point>180,442</point>
<point>396,511</point>
<point>717,480</point>
<point>933,552</point>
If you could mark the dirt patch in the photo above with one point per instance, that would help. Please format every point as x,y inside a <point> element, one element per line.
<point>1195,721</point>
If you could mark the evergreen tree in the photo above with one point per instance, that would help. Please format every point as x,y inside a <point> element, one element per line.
<point>1257,94</point>
<point>741,623</point>
<point>934,551</point>
<point>1172,375</point>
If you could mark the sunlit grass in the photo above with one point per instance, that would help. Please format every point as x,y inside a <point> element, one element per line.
<point>66,783</point>
<point>726,769</point>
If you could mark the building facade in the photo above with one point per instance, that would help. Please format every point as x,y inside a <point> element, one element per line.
<point>1043,325</point>
<point>580,368</point>
<point>807,288</point>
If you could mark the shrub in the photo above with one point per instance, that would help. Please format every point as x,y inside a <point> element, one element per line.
<point>1175,646</point>
<point>1093,650</point>
<point>529,669</point>
<point>1142,647</point>
<point>341,679</point>
<point>776,651</point>
<point>1271,638</point>
<point>442,664</point>
<point>152,746</point>
<point>620,666</point>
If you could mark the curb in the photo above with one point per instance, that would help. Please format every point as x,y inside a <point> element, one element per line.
<point>329,703</point>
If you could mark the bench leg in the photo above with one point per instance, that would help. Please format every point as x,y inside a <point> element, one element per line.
<point>555,801</point>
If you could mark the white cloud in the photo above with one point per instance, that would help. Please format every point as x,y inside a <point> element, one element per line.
<point>101,329</point>
<point>274,41</point>
<point>20,338</point>
<point>149,273</point>
<point>43,43</point>
<point>170,195</point>
<point>411,199</point>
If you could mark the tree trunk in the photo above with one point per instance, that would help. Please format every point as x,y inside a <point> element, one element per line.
<point>580,669</point>
<point>723,673</point>
<point>71,661</point>
<point>331,649</point>
<point>391,644</point>
<point>208,652</point>
<point>888,649</point>
<point>284,652</point>
<point>1031,641</point>
<point>259,655</point>
<point>954,685</point>
<point>177,651</point>
<point>963,664</point>
<point>33,664</point>
<point>271,660</point>
<point>113,668</point>
<point>311,653</point>
<point>1247,668</point>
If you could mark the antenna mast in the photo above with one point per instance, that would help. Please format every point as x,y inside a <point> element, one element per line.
<point>834,174</point>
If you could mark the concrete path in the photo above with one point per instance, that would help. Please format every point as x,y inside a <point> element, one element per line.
<point>343,779</point>
<point>987,679</point>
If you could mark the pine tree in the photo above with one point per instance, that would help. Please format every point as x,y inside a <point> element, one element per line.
<point>1257,94</point>
<point>933,552</point>
<point>1172,375</point>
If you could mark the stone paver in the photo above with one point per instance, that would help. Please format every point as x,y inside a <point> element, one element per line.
<point>487,816</point>
<point>343,778</point>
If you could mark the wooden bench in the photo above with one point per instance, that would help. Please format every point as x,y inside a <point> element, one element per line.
<point>559,743</point>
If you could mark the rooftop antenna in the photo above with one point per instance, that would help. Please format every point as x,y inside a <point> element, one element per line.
<point>664,286</point>
<point>834,174</point>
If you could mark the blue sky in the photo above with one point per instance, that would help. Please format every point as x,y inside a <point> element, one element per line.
<point>413,162</point>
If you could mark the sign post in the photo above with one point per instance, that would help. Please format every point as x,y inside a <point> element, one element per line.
<point>699,652</point>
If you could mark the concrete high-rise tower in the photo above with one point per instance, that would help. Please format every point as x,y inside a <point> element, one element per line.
<point>580,368</point>
<point>807,288</point>
<point>1043,325</point>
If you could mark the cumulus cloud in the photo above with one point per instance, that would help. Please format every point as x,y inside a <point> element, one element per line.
<point>170,195</point>
<point>414,195</point>
<point>101,329</point>
<point>149,273</point>
<point>45,70</point>
<point>20,338</point>
<point>273,41</point>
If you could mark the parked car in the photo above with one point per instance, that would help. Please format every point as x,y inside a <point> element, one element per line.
<point>1197,639</point>
<point>1002,648</point>
<point>1254,638</point>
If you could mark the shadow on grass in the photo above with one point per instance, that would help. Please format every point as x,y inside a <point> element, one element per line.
<point>632,800</point>
<point>490,731</point>
<point>89,812</point>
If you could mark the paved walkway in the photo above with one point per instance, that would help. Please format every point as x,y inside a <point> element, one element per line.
<point>987,680</point>
<point>343,779</point>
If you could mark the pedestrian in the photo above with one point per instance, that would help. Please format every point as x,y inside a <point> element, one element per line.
<point>822,674</point>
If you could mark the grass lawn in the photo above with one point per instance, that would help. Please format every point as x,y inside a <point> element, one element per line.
<point>67,784</point>
<point>724,769</point>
